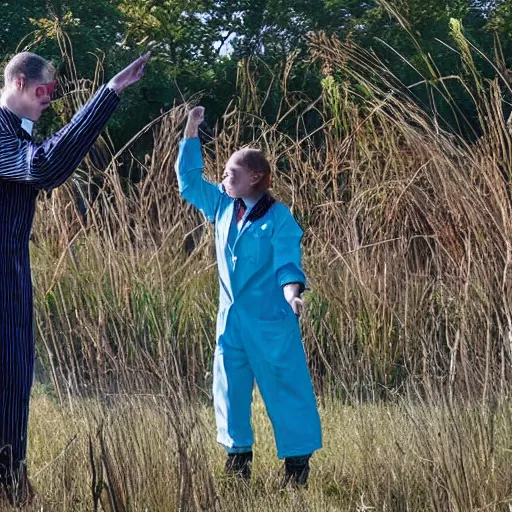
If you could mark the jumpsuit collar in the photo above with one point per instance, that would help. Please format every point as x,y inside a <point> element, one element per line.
<point>259,209</point>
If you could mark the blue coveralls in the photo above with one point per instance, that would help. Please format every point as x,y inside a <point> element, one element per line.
<point>25,168</point>
<point>258,335</point>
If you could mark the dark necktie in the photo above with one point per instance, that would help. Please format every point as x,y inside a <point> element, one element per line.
<point>241,210</point>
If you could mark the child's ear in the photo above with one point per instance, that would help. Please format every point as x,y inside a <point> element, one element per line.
<point>261,180</point>
<point>256,178</point>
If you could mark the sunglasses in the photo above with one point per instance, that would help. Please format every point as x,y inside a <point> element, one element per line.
<point>46,89</point>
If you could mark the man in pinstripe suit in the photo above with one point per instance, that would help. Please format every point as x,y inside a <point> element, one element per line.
<point>25,169</point>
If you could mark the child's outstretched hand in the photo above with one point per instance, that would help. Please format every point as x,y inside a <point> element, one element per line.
<point>195,118</point>
<point>292,295</point>
<point>297,304</point>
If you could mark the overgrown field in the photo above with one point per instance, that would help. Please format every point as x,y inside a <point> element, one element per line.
<point>408,327</point>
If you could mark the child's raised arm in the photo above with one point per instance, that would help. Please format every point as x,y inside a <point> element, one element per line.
<point>189,168</point>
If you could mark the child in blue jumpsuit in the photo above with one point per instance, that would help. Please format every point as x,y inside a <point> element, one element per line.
<point>258,337</point>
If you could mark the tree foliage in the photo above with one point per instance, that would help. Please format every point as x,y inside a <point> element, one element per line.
<point>198,45</point>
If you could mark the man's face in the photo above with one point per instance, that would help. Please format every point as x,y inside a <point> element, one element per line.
<point>237,179</point>
<point>34,97</point>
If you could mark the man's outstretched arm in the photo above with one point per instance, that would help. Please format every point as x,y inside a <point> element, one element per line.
<point>49,164</point>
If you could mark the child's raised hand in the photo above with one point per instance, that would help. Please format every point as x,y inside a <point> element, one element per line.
<point>195,118</point>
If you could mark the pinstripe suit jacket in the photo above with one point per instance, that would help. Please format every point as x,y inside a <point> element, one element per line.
<point>26,168</point>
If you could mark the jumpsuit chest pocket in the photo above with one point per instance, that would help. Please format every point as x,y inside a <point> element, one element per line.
<point>258,243</point>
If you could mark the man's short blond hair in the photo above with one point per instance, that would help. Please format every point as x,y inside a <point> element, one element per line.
<point>29,64</point>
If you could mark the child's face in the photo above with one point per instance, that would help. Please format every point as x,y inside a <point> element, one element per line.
<point>237,179</point>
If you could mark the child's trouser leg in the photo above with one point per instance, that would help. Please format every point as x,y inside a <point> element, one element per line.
<point>279,365</point>
<point>232,394</point>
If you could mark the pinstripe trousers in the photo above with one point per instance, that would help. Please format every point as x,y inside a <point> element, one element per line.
<point>16,354</point>
<point>25,169</point>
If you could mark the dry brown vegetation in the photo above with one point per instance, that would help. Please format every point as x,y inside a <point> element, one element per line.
<point>408,326</point>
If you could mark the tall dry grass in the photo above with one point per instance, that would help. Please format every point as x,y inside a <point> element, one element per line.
<point>408,322</point>
<point>406,245</point>
<point>138,454</point>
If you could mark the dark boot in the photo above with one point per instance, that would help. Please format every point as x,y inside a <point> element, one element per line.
<point>239,464</point>
<point>296,471</point>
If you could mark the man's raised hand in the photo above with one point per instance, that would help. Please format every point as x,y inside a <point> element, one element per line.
<point>130,74</point>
